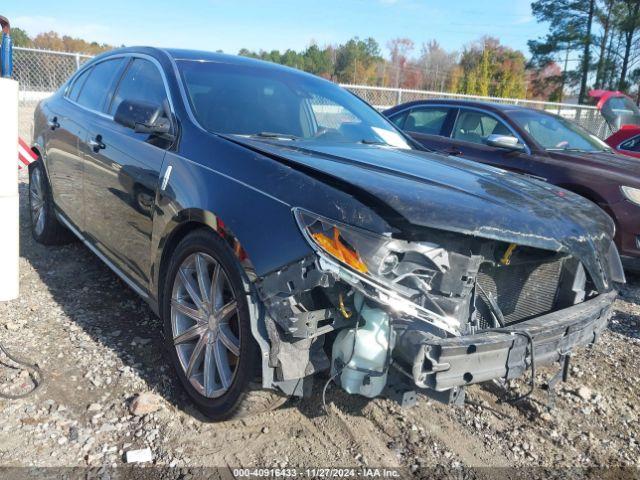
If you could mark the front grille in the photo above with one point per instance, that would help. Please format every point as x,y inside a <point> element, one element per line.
<point>521,291</point>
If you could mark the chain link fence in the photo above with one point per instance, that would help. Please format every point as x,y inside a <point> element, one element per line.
<point>586,115</point>
<point>42,72</point>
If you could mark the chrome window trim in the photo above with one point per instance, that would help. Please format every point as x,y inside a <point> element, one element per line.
<point>134,55</point>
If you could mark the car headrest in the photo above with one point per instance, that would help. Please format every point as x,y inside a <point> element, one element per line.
<point>470,122</point>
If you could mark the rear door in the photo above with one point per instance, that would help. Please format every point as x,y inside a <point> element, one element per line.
<point>428,125</point>
<point>122,172</point>
<point>61,150</point>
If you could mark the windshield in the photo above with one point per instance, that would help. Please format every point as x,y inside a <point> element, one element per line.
<point>556,133</point>
<point>272,103</point>
<point>620,111</point>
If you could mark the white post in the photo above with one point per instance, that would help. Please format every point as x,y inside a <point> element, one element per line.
<point>9,239</point>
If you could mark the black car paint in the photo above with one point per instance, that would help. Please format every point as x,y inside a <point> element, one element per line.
<point>246,189</point>
<point>414,189</point>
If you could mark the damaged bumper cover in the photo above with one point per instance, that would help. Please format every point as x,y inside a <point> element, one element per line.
<point>444,363</point>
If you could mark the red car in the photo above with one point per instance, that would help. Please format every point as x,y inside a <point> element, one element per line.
<point>626,141</point>
<point>623,117</point>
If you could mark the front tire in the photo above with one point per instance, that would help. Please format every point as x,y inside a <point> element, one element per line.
<point>45,227</point>
<point>205,312</point>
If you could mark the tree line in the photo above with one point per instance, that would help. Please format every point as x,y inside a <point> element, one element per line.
<point>484,67</point>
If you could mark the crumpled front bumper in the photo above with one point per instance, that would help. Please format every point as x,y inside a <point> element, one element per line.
<point>444,363</point>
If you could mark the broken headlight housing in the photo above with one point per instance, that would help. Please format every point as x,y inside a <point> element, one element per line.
<point>397,273</point>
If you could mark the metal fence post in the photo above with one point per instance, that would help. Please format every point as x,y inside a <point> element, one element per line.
<point>399,100</point>
<point>6,49</point>
<point>77,61</point>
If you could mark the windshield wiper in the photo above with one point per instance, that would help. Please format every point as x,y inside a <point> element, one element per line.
<point>276,135</point>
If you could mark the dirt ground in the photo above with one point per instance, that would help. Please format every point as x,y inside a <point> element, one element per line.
<point>99,346</point>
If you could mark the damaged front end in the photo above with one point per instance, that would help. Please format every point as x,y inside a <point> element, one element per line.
<point>434,315</point>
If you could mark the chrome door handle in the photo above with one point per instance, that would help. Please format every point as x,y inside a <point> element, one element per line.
<point>96,143</point>
<point>53,123</point>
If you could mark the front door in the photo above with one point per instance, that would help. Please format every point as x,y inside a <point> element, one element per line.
<point>469,136</point>
<point>122,171</point>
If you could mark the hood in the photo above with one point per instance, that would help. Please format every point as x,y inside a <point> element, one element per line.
<point>609,163</point>
<point>422,189</point>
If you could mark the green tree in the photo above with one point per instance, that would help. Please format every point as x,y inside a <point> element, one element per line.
<point>356,61</point>
<point>629,25</point>
<point>20,38</point>
<point>491,69</point>
<point>570,30</point>
<point>318,61</point>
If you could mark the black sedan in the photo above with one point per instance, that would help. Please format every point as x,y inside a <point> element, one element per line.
<point>281,227</point>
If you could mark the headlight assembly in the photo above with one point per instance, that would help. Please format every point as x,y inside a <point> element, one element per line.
<point>632,194</point>
<point>392,271</point>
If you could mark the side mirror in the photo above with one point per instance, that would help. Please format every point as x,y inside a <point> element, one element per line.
<point>508,142</point>
<point>142,117</point>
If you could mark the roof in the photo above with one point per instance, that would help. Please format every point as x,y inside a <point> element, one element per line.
<point>201,55</point>
<point>499,107</point>
<point>204,56</point>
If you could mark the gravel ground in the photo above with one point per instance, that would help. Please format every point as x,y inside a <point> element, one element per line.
<point>99,347</point>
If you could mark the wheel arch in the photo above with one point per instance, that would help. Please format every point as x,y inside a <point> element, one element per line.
<point>183,224</point>
<point>190,220</point>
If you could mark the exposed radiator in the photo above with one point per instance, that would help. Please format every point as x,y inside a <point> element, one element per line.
<point>521,291</point>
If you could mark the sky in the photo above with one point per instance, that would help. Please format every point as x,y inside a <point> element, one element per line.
<point>277,24</point>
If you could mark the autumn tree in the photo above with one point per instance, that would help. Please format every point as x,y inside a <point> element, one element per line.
<point>437,65</point>
<point>399,48</point>
<point>491,69</point>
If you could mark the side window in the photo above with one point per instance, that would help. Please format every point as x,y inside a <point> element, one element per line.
<point>75,88</point>
<point>632,145</point>
<point>399,119</point>
<point>475,127</point>
<point>98,83</point>
<point>141,82</point>
<point>426,120</point>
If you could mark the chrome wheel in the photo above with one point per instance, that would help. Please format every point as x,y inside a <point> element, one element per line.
<point>36,201</point>
<point>205,324</point>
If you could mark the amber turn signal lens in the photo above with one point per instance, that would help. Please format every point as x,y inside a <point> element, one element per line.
<point>336,247</point>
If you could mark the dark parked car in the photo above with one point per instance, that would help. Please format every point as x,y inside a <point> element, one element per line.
<point>281,227</point>
<point>535,143</point>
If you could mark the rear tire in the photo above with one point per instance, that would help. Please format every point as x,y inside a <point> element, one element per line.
<point>45,227</point>
<point>205,313</point>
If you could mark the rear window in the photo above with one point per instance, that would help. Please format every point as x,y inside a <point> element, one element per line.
<point>75,88</point>
<point>98,84</point>
<point>426,120</point>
